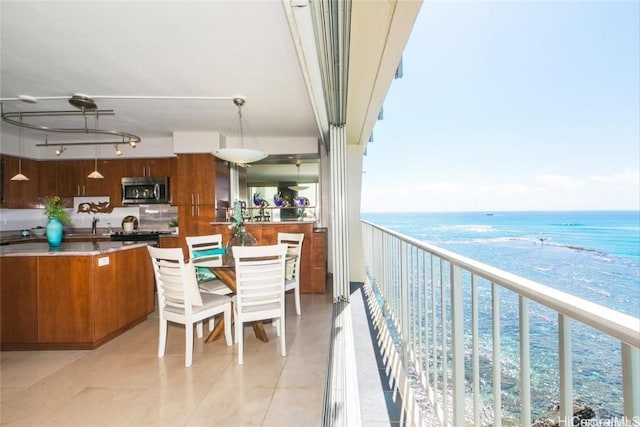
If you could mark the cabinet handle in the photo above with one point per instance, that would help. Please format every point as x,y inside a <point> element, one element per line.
<point>78,191</point>
<point>84,190</point>
<point>149,171</point>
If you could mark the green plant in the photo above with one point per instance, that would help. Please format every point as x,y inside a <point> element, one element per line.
<point>173,222</point>
<point>54,208</point>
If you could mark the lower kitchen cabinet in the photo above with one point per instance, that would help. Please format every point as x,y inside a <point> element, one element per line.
<point>73,301</point>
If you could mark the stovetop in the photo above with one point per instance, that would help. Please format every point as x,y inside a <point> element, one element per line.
<point>138,235</point>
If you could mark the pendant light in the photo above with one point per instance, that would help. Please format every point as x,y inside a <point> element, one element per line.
<point>298,187</point>
<point>19,176</point>
<point>95,174</point>
<point>240,155</point>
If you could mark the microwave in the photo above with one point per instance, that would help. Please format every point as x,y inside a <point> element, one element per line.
<point>145,190</point>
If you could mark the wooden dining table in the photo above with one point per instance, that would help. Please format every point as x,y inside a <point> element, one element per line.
<point>227,274</point>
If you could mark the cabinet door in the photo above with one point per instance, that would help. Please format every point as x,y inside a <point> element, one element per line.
<point>20,194</point>
<point>48,178</point>
<point>65,306</point>
<point>157,167</point>
<point>68,178</point>
<point>95,187</point>
<point>195,179</point>
<point>19,300</point>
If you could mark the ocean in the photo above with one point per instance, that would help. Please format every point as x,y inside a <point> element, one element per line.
<point>591,254</point>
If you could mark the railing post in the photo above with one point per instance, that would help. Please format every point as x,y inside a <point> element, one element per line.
<point>525,363</point>
<point>404,300</point>
<point>566,370</point>
<point>457,340</point>
<point>630,383</point>
<point>475,326</point>
<point>497,357</point>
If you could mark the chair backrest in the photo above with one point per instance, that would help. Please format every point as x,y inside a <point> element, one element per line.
<point>294,247</point>
<point>203,246</point>
<point>259,281</point>
<point>175,281</point>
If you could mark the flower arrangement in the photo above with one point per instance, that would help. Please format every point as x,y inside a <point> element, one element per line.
<point>54,208</point>
<point>237,220</point>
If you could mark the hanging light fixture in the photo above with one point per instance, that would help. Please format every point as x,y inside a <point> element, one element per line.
<point>95,174</point>
<point>60,150</point>
<point>240,155</point>
<point>19,176</point>
<point>298,187</point>
<point>118,151</point>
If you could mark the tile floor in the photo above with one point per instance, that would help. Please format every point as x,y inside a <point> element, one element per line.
<point>124,383</point>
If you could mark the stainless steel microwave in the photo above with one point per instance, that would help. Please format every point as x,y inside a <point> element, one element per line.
<point>145,190</point>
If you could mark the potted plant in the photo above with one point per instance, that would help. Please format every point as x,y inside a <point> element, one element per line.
<point>174,224</point>
<point>55,210</point>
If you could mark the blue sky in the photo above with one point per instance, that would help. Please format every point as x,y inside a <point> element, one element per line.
<point>512,105</point>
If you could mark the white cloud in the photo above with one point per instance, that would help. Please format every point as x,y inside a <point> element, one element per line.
<point>559,181</point>
<point>628,177</point>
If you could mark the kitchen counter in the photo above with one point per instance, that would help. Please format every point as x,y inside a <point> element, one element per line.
<point>31,248</point>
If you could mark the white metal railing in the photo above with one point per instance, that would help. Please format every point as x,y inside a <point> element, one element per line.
<point>438,304</point>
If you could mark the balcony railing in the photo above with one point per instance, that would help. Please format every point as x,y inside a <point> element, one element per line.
<point>458,336</point>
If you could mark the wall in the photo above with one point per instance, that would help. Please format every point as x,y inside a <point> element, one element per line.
<point>150,217</point>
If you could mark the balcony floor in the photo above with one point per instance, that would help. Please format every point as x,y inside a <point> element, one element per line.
<point>124,382</point>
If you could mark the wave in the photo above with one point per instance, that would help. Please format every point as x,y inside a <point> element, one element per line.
<point>467,227</point>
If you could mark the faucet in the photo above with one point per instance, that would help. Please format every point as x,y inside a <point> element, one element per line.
<point>110,230</point>
<point>94,225</point>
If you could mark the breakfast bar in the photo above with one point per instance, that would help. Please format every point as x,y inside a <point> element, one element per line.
<point>77,296</point>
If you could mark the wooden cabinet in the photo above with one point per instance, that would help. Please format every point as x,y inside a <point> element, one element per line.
<point>48,178</point>
<point>196,174</point>
<point>202,186</point>
<point>64,302</point>
<point>19,299</point>
<point>20,194</point>
<point>318,261</point>
<point>72,180</point>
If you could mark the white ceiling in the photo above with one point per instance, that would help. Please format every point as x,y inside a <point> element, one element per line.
<point>156,48</point>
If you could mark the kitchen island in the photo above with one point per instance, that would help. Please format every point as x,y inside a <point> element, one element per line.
<point>77,296</point>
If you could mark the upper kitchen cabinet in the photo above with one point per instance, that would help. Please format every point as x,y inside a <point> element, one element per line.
<point>195,180</point>
<point>72,180</point>
<point>19,194</point>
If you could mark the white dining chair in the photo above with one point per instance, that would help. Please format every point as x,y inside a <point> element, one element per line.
<point>180,300</point>
<point>292,267</point>
<point>259,290</point>
<point>207,251</point>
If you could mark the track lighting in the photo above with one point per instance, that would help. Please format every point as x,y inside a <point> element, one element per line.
<point>132,143</point>
<point>60,150</point>
<point>118,151</point>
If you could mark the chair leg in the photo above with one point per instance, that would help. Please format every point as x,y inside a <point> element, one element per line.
<point>212,323</point>
<point>199,329</point>
<point>227,326</point>
<point>188,356</point>
<point>162,338</point>
<point>296,292</point>
<point>283,344</point>
<point>240,341</point>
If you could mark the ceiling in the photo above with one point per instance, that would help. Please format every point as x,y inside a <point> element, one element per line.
<point>112,50</point>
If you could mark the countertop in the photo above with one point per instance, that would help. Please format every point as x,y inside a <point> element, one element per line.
<point>67,248</point>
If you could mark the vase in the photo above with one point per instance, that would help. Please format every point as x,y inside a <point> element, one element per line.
<point>240,238</point>
<point>54,232</point>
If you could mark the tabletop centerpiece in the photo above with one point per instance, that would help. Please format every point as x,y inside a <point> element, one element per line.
<point>240,237</point>
<point>55,210</point>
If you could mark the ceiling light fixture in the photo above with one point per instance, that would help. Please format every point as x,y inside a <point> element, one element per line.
<point>95,174</point>
<point>118,151</point>
<point>240,155</point>
<point>60,150</point>
<point>87,107</point>
<point>298,187</point>
<point>19,176</point>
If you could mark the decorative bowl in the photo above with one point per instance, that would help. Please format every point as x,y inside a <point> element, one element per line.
<point>38,231</point>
